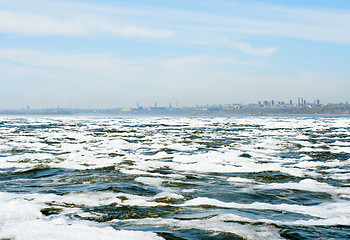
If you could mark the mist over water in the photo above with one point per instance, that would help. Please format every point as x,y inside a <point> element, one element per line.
<point>174,178</point>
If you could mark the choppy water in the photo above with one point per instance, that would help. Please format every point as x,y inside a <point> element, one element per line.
<point>174,178</point>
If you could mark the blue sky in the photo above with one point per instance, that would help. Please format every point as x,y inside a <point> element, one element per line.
<point>114,53</point>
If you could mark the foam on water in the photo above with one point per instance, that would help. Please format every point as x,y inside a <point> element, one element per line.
<point>216,225</point>
<point>332,213</point>
<point>21,218</point>
<point>154,177</point>
<point>59,229</point>
<point>309,185</point>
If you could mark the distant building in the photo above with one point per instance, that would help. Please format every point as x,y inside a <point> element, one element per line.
<point>301,102</point>
<point>138,108</point>
<point>215,108</point>
<point>157,108</point>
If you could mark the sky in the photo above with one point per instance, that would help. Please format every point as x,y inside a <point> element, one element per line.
<point>113,53</point>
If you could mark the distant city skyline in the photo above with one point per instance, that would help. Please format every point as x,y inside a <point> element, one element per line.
<point>107,54</point>
<point>302,108</point>
<point>299,101</point>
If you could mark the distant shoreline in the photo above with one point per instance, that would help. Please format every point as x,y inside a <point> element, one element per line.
<point>329,110</point>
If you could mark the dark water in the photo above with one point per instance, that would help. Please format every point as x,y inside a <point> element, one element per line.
<point>174,178</point>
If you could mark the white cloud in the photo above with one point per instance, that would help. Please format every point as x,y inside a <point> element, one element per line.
<point>105,64</point>
<point>89,63</point>
<point>259,19</point>
<point>240,46</point>
<point>135,31</point>
<point>85,68</point>
<point>200,61</point>
<point>34,24</point>
<point>319,25</point>
<point>168,74</point>
<point>244,47</point>
<point>171,73</point>
<point>82,24</point>
<point>328,25</point>
<point>127,20</point>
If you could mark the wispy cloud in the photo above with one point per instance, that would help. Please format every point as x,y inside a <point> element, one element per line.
<point>244,47</point>
<point>184,73</point>
<point>34,24</point>
<point>135,31</point>
<point>81,25</point>
<point>200,61</point>
<point>328,25</point>
<point>163,22</point>
<point>105,64</point>
<point>240,46</point>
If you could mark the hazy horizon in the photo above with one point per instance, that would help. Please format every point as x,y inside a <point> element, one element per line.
<point>173,105</point>
<point>108,54</point>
